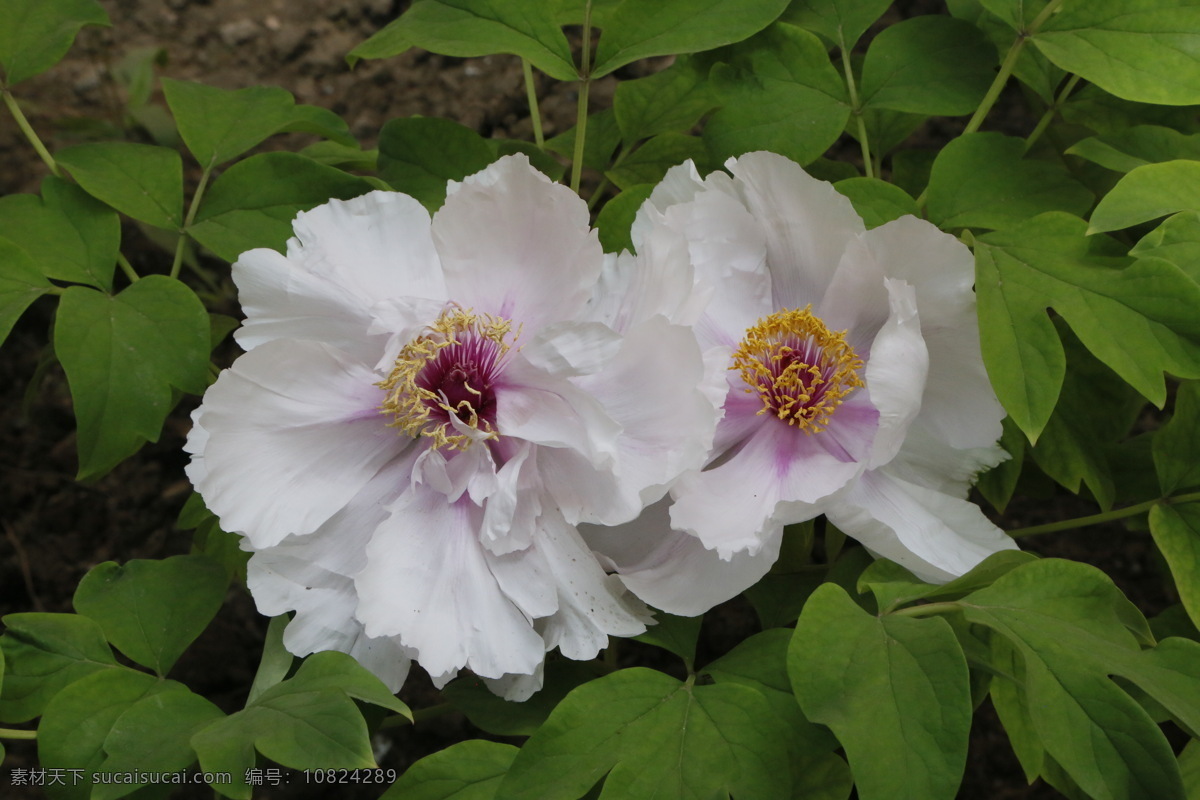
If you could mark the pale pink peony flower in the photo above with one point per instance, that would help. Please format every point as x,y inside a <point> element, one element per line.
<point>426,411</point>
<point>855,386</point>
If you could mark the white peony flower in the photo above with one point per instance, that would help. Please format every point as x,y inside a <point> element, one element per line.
<point>426,411</point>
<point>855,386</point>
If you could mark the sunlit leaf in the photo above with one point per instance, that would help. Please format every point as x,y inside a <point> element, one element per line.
<point>1149,192</point>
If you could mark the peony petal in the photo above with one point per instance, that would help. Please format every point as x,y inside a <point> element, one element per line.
<point>807,223</point>
<point>293,434</point>
<point>672,570</point>
<point>681,184</point>
<point>517,688</point>
<point>515,245</point>
<point>779,476</point>
<point>895,373</point>
<point>429,582</point>
<point>935,536</point>
<point>569,349</point>
<point>959,406</point>
<point>346,256</point>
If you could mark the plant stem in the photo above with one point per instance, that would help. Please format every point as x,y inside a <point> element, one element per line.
<point>927,609</point>
<point>127,268</point>
<point>15,733</point>
<point>1048,117</point>
<point>187,222</point>
<point>31,134</point>
<point>857,112</point>
<point>585,84</point>
<point>535,113</point>
<point>1106,516</point>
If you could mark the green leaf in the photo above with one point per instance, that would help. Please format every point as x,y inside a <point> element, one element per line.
<point>1189,767</point>
<point>894,586</point>
<point>152,610</point>
<point>71,236</point>
<point>1149,192</point>
<point>894,690</point>
<point>1176,531</point>
<point>470,770</point>
<point>1068,624</point>
<point>780,93</point>
<point>876,201</point>
<point>141,180</point>
<point>418,155</point>
<point>981,180</point>
<point>542,161</point>
<point>650,162</point>
<point>667,101</point>
<point>20,284</point>
<point>78,719</point>
<point>1139,319</point>
<point>654,737</point>
<point>999,483</point>
<point>275,662</point>
<point>1137,146</point>
<point>842,22</point>
<point>999,24</point>
<point>44,653</point>
<point>1098,110</point>
<point>1177,240</point>
<point>123,355</point>
<point>1149,52</point>
<point>153,735</point>
<point>645,28</point>
<point>675,634</point>
<point>254,202</point>
<point>886,129</point>
<point>35,34</point>
<point>501,717</point>
<point>306,722</point>
<point>220,124</point>
<point>466,28</point>
<point>616,218</point>
<point>928,65</point>
<point>1094,412</point>
<point>347,157</point>
<point>1177,442</point>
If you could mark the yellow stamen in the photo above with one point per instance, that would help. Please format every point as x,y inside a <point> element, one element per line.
<point>414,407</point>
<point>801,370</point>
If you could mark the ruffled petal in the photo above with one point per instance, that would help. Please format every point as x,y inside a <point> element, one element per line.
<point>672,570</point>
<point>516,245</point>
<point>779,476</point>
<point>807,224</point>
<point>895,373</point>
<point>293,433</point>
<point>935,536</point>
<point>346,255</point>
<point>428,581</point>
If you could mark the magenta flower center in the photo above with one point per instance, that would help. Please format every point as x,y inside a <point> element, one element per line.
<point>443,382</point>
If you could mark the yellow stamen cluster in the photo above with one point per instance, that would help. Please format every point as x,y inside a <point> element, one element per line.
<point>800,369</point>
<point>412,405</point>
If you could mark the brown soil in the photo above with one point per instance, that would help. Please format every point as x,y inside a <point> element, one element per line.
<point>55,529</point>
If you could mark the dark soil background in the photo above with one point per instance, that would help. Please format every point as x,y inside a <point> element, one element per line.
<point>54,529</point>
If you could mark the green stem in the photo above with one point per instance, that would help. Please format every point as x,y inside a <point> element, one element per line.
<point>1048,117</point>
<point>856,110</point>
<point>535,113</point>
<point>31,134</point>
<point>127,268</point>
<point>585,84</point>
<point>187,222</point>
<point>928,609</point>
<point>1107,516</point>
<point>14,733</point>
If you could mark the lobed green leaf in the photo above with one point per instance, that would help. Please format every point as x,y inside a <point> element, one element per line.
<point>650,162</point>
<point>1176,240</point>
<point>1149,192</point>
<point>21,282</point>
<point>616,218</point>
<point>654,737</point>
<point>1177,442</point>
<point>470,770</point>
<point>668,101</point>
<point>123,356</point>
<point>465,28</point>
<point>418,155</point>
<point>1176,531</point>
<point>894,690</point>
<point>141,180</point>
<point>876,201</point>
<point>492,713</point>
<point>841,22</point>
<point>645,28</point>
<point>780,93</point>
<point>36,34</point>
<point>151,610</point>
<point>45,653</point>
